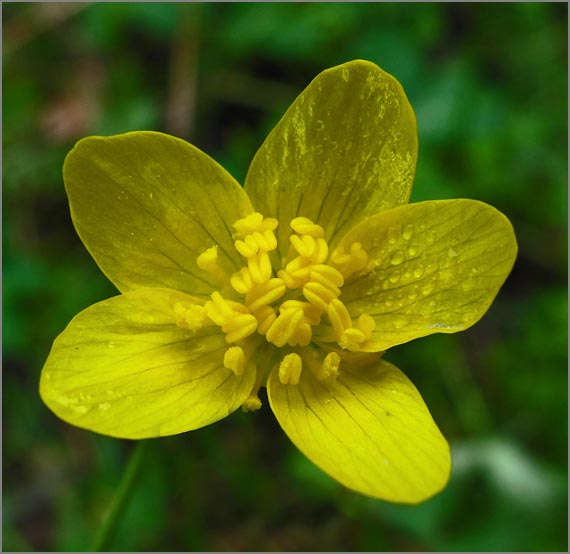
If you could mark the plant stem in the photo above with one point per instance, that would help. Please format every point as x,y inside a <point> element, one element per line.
<point>121,498</point>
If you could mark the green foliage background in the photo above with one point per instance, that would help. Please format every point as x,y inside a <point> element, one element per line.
<point>489,86</point>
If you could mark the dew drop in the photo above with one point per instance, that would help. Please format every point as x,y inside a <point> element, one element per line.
<point>418,271</point>
<point>104,406</point>
<point>319,125</point>
<point>393,235</point>
<point>397,258</point>
<point>395,277</point>
<point>427,289</point>
<point>412,250</point>
<point>408,232</point>
<point>451,253</point>
<point>111,344</point>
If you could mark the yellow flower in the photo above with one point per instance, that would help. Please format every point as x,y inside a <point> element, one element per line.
<point>297,282</point>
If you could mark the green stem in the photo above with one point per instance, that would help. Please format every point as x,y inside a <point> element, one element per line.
<point>121,498</point>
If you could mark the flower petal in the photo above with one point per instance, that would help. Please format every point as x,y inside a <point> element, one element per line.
<point>368,429</point>
<point>147,204</point>
<point>345,149</point>
<point>435,268</point>
<point>123,368</point>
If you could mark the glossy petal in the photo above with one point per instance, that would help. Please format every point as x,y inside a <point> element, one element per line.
<point>369,429</point>
<point>345,149</point>
<point>436,268</point>
<point>147,204</point>
<point>123,368</point>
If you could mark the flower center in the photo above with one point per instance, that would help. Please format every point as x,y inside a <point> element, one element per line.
<point>292,307</point>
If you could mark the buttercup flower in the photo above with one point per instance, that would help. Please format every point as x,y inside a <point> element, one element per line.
<point>298,282</point>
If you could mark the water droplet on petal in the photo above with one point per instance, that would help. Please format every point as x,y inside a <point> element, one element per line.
<point>393,235</point>
<point>395,277</point>
<point>418,271</point>
<point>408,232</point>
<point>397,258</point>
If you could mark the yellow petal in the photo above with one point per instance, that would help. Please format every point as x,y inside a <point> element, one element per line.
<point>123,368</point>
<point>147,204</point>
<point>345,149</point>
<point>435,267</point>
<point>369,429</point>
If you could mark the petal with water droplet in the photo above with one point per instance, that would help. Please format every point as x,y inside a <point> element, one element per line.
<point>156,379</point>
<point>458,265</point>
<point>345,149</point>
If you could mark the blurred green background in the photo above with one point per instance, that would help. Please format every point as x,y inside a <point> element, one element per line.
<point>489,86</point>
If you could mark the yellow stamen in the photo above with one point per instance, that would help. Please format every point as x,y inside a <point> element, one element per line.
<point>339,316</point>
<point>304,245</point>
<point>252,404</point>
<point>234,359</point>
<point>305,226</point>
<point>290,369</point>
<point>285,328</point>
<point>319,295</point>
<point>265,293</point>
<point>254,222</point>
<point>294,322</point>
<point>259,266</point>
<point>366,324</point>
<point>265,317</point>
<point>241,281</point>
<point>330,365</point>
<point>242,326</point>
<point>192,317</point>
<point>350,263</point>
<point>208,261</point>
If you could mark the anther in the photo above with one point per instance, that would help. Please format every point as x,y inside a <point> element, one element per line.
<point>241,281</point>
<point>259,267</point>
<point>330,365</point>
<point>319,295</point>
<point>304,245</point>
<point>304,226</point>
<point>252,404</point>
<point>339,316</point>
<point>192,317</point>
<point>285,327</point>
<point>290,369</point>
<point>326,275</point>
<point>254,222</point>
<point>234,359</point>
<point>349,263</point>
<point>242,326</point>
<point>208,261</point>
<point>265,317</point>
<point>265,293</point>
